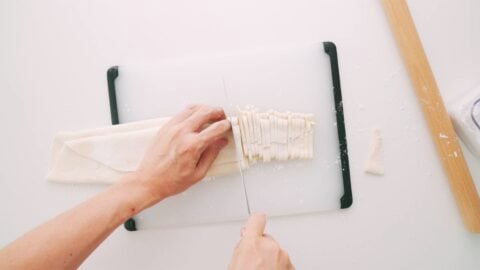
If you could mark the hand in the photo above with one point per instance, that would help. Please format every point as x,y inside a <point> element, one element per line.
<point>257,251</point>
<point>184,150</point>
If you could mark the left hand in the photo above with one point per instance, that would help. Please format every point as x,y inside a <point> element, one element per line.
<point>183,150</point>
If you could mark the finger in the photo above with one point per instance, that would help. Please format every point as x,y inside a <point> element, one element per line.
<point>208,157</point>
<point>214,131</point>
<point>185,113</point>
<point>255,225</point>
<point>204,115</point>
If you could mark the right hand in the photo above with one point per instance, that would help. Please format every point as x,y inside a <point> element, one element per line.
<point>257,251</point>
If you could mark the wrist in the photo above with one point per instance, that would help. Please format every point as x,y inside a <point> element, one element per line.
<point>156,190</point>
<point>135,195</point>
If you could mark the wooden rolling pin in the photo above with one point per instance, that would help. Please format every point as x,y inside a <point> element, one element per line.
<point>441,129</point>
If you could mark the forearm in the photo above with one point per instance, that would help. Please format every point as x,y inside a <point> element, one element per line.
<point>66,241</point>
<point>180,156</point>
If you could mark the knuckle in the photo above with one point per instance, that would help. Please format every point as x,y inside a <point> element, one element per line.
<point>214,112</point>
<point>218,111</point>
<point>181,149</point>
<point>206,109</point>
<point>201,141</point>
<point>193,106</point>
<point>201,106</point>
<point>186,147</point>
<point>194,145</point>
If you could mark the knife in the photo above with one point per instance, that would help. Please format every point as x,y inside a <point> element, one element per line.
<point>238,145</point>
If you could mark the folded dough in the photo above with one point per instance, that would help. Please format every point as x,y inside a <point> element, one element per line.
<point>102,155</point>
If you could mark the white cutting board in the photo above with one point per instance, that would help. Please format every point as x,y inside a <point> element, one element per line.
<point>295,78</point>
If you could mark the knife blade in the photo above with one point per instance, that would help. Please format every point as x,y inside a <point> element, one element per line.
<point>245,192</point>
<point>238,145</point>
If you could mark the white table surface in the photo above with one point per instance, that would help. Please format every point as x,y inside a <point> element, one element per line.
<point>53,58</point>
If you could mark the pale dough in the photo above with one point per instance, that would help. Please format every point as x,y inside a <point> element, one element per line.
<point>273,135</point>
<point>102,155</point>
<point>374,163</point>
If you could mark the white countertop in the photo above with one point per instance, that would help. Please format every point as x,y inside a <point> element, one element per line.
<point>53,58</point>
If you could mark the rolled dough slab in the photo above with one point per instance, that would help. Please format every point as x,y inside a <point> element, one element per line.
<point>103,155</point>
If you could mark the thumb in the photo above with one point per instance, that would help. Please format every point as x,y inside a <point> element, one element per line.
<point>255,225</point>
